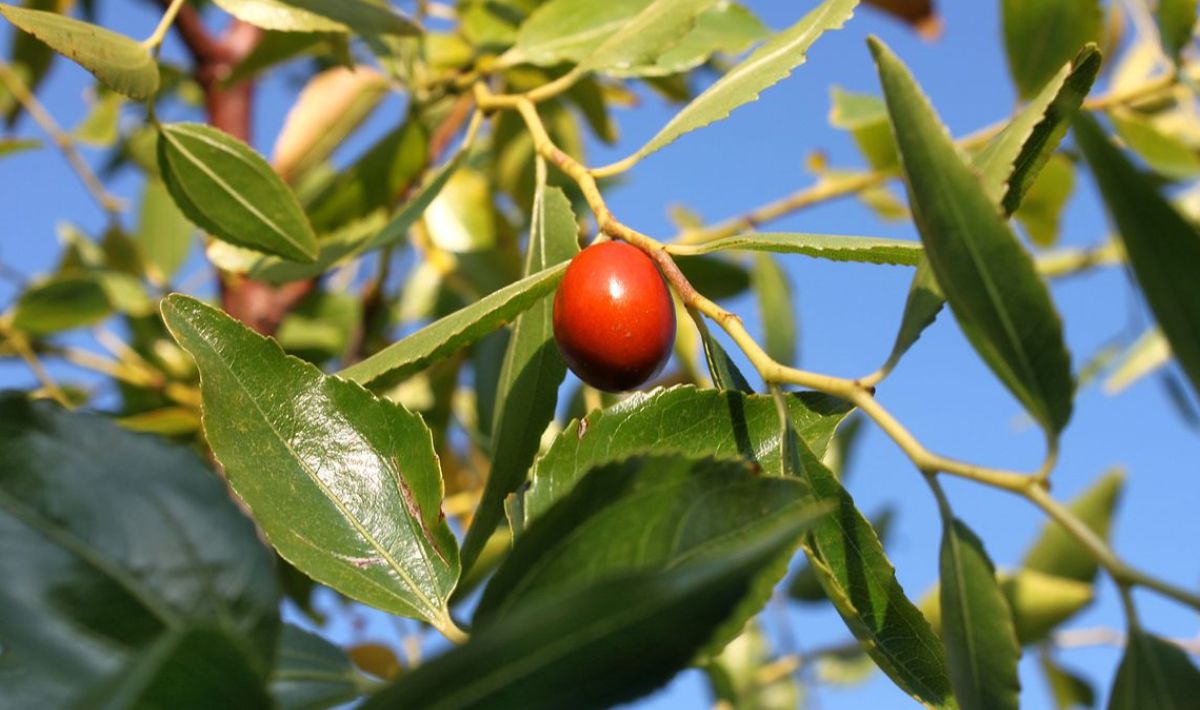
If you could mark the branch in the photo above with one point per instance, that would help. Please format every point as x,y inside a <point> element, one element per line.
<point>202,46</point>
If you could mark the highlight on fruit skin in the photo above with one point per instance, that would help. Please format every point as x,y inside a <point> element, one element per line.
<point>614,321</point>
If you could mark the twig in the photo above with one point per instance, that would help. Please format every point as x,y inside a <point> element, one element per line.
<point>66,144</point>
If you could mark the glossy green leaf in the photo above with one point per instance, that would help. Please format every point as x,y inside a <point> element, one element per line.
<point>1040,37</point>
<point>120,63</point>
<point>227,189</point>
<point>527,393</point>
<point>62,303</point>
<point>1068,689</point>
<point>775,309</point>
<point>719,424</point>
<point>186,669</point>
<point>867,250</point>
<point>977,624</point>
<point>725,374</point>
<point>362,17</point>
<point>859,579</point>
<point>347,487</point>
<point>1166,154</point>
<point>642,515</point>
<point>1010,163</point>
<point>1160,243</point>
<point>1041,210</point>
<point>312,674</point>
<point>1154,674</point>
<point>921,309</point>
<point>165,236</point>
<point>1001,303</point>
<point>1176,24</point>
<point>1056,553</point>
<point>593,647</point>
<point>107,539</point>
<point>865,116</point>
<point>457,330</point>
<point>766,66</point>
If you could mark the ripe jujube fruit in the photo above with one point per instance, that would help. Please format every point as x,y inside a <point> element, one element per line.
<point>614,321</point>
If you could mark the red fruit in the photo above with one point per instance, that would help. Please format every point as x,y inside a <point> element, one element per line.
<point>613,317</point>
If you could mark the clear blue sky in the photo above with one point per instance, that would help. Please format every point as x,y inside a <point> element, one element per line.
<point>848,316</point>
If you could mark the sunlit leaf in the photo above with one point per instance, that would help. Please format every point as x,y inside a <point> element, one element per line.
<point>1164,153</point>
<point>120,63</point>
<point>776,309</point>
<point>1001,303</point>
<point>362,17</point>
<point>1041,210</point>
<point>227,189</point>
<point>1176,24</point>
<point>164,236</point>
<point>1068,689</point>
<point>1148,354</point>
<point>868,250</point>
<point>764,67</point>
<point>1056,553</point>
<point>347,487</point>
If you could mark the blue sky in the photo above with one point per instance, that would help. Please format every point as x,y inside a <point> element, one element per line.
<point>848,315</point>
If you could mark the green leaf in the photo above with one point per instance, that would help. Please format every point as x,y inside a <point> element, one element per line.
<point>1041,210</point>
<point>346,486</point>
<point>1041,602</point>
<point>365,234</point>
<point>977,624</point>
<point>527,393</point>
<point>646,36</point>
<point>865,116</point>
<point>1068,689</point>
<point>597,646</point>
<point>859,579</point>
<point>62,303</point>
<point>120,63</point>
<point>101,127</point>
<point>867,250</point>
<point>1176,24</point>
<point>1166,155</point>
<point>725,374</point>
<point>1010,163</point>
<point>164,235</point>
<point>110,538</point>
<point>186,669</point>
<point>321,326</point>
<point>921,309</point>
<point>806,586</point>
<point>766,66</point>
<point>736,675</point>
<point>717,278</point>
<point>1001,303</point>
<point>1040,37</point>
<point>30,59</point>
<point>776,310</point>
<point>571,30</point>
<point>378,177</point>
<point>457,330</point>
<point>312,674</point>
<point>1161,245</point>
<point>1148,354</point>
<point>719,424</point>
<point>12,146</point>
<point>362,17</point>
<point>642,515</point>
<point>1154,674</point>
<point>227,189</point>
<point>1056,553</point>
